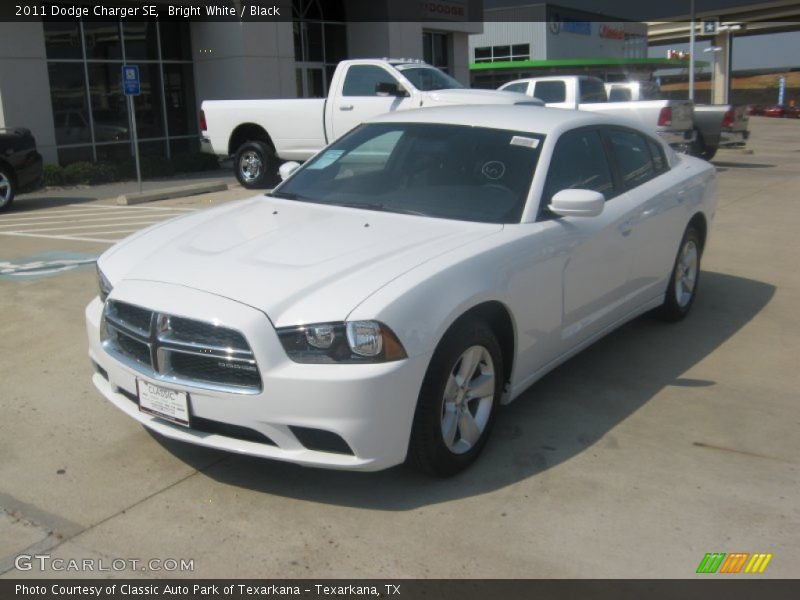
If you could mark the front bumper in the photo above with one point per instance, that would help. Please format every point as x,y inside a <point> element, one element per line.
<point>368,406</point>
<point>677,137</point>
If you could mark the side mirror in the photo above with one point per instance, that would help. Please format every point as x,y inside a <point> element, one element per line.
<point>577,203</point>
<point>387,88</point>
<point>287,168</point>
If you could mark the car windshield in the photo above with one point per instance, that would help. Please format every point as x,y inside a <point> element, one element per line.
<point>428,79</point>
<point>446,171</point>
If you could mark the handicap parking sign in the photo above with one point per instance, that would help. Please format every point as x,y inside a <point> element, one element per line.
<point>130,80</point>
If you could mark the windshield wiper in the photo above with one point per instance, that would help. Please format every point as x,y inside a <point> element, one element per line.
<point>285,195</point>
<point>381,208</point>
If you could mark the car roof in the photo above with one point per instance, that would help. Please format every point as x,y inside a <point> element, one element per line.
<point>519,117</point>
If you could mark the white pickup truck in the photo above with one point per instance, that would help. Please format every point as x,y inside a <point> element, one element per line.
<point>672,120</point>
<point>716,125</point>
<point>259,134</point>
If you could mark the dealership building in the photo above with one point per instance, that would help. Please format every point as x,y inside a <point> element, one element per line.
<point>540,39</point>
<point>63,80</point>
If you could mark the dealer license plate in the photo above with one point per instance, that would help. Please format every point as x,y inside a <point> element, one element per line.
<point>164,403</point>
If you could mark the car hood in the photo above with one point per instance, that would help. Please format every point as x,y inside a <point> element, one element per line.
<point>467,96</point>
<point>297,262</point>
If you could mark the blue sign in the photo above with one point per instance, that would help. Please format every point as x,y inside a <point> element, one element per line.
<point>130,80</point>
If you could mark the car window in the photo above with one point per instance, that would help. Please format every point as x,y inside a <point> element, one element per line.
<point>516,87</point>
<point>428,79</point>
<point>657,154</point>
<point>579,162</point>
<point>632,156</point>
<point>619,94</point>
<point>550,91</point>
<point>362,79</point>
<point>592,90</point>
<point>460,172</point>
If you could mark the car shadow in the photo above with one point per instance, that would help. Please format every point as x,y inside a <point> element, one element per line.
<point>32,202</point>
<point>561,416</point>
<point>741,165</point>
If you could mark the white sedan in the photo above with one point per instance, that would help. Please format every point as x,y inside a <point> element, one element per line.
<point>382,302</point>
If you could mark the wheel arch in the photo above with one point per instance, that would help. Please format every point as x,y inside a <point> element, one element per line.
<point>497,315</point>
<point>11,171</point>
<point>699,222</point>
<point>248,132</point>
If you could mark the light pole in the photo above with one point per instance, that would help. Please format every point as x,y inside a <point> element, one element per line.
<point>691,50</point>
<point>712,74</point>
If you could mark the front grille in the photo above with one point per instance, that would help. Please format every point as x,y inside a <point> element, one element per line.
<point>180,350</point>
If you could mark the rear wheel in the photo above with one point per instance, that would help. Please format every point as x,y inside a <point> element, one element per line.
<point>7,190</point>
<point>685,276</point>
<point>700,149</point>
<point>256,165</point>
<point>458,400</point>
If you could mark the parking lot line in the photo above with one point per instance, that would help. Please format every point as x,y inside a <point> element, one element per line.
<point>90,227</point>
<point>97,223</point>
<point>62,237</point>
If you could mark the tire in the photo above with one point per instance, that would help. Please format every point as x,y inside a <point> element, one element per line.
<point>7,188</point>
<point>444,406</point>
<point>686,270</point>
<point>256,165</point>
<point>699,148</point>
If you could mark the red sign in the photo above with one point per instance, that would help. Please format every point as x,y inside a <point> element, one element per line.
<point>612,33</point>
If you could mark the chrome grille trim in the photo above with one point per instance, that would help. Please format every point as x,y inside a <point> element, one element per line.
<point>230,368</point>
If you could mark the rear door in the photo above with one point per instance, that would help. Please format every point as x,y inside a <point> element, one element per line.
<point>655,195</point>
<point>600,249</point>
<point>357,100</point>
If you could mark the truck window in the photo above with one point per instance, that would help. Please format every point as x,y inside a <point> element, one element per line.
<point>650,91</point>
<point>630,152</point>
<point>362,79</point>
<point>591,90</point>
<point>428,79</point>
<point>579,162</point>
<point>516,87</point>
<point>619,94</point>
<point>550,91</point>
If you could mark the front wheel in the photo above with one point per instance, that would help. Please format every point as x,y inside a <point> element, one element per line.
<point>685,276</point>
<point>7,190</point>
<point>458,400</point>
<point>256,165</point>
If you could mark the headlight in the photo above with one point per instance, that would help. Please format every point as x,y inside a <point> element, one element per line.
<point>104,284</point>
<point>353,342</point>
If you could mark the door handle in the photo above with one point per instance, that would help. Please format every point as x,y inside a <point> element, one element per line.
<point>346,107</point>
<point>626,227</point>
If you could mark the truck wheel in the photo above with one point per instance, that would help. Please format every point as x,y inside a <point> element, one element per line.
<point>458,400</point>
<point>256,165</point>
<point>698,146</point>
<point>684,278</point>
<point>6,188</point>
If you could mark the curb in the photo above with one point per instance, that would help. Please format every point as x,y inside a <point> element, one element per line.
<point>174,192</point>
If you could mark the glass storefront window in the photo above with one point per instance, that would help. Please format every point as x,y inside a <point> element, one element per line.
<point>179,95</point>
<point>91,116</point>
<point>175,41</point>
<point>149,113</point>
<point>141,42</point>
<point>68,97</point>
<point>102,40</point>
<point>73,154</point>
<point>62,40</point>
<point>109,105</point>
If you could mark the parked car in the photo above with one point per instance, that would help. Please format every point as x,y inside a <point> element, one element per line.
<point>670,119</point>
<point>386,298</point>
<point>20,164</point>
<point>783,111</point>
<point>715,125</point>
<point>259,134</point>
<point>755,109</point>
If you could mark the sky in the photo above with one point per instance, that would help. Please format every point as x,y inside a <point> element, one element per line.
<point>749,52</point>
